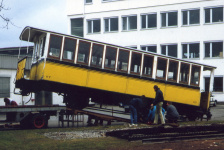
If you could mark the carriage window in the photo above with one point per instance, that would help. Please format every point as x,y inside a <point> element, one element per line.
<point>69,49</point>
<point>110,57</point>
<point>161,68</point>
<point>184,72</point>
<point>55,46</point>
<point>195,75</point>
<point>123,60</point>
<point>147,65</point>
<point>172,73</point>
<point>136,62</point>
<point>83,52</point>
<point>97,55</point>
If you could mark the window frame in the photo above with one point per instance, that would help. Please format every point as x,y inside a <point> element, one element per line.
<point>72,60</point>
<point>116,49</point>
<point>132,72</point>
<point>167,19</point>
<point>147,20</point>
<point>49,56</point>
<point>188,17</point>
<point>89,2</point>
<point>2,78</point>
<point>143,65</point>
<point>120,70</point>
<point>184,82</point>
<point>199,75</point>
<point>147,48</point>
<point>176,71</point>
<point>127,27</point>
<point>167,49</point>
<point>92,25</point>
<point>78,62</point>
<point>93,65</point>
<point>109,24</point>
<point>211,49</point>
<point>188,50</point>
<point>211,14</point>
<point>161,78</point>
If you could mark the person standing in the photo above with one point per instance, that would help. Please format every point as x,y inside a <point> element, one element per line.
<point>158,102</point>
<point>135,106</point>
<point>172,113</point>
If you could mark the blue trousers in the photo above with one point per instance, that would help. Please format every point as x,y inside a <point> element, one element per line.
<point>133,114</point>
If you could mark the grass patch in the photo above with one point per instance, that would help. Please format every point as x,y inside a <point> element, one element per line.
<point>35,139</point>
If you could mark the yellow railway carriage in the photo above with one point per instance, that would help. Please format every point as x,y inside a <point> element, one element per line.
<point>80,69</point>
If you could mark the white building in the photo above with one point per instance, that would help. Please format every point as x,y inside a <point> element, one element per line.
<point>186,29</point>
<point>8,67</point>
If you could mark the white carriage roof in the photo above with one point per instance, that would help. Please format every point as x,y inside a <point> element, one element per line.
<point>29,33</point>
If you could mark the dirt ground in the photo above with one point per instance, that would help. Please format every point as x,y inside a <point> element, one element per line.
<point>186,145</point>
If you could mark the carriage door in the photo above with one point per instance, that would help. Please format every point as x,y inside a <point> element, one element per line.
<point>205,100</point>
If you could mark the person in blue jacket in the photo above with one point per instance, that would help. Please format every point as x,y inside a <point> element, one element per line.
<point>151,114</point>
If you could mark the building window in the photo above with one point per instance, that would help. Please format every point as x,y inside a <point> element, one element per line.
<point>149,21</point>
<point>93,26</point>
<point>77,26</point>
<point>213,15</point>
<point>169,19</point>
<point>213,49</point>
<point>190,50</point>
<point>149,48</point>
<point>4,87</point>
<point>129,23</point>
<point>111,24</point>
<point>191,17</point>
<point>88,1</point>
<point>217,86</point>
<point>169,50</point>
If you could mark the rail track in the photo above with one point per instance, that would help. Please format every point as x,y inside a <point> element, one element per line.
<point>167,134</point>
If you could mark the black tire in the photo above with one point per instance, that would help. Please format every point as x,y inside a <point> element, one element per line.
<point>39,121</point>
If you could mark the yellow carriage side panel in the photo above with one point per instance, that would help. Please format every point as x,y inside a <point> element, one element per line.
<point>182,95</point>
<point>65,74</point>
<point>141,87</point>
<point>20,69</point>
<point>106,81</point>
<point>33,71</point>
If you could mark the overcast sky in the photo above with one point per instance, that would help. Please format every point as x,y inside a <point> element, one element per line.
<point>43,14</point>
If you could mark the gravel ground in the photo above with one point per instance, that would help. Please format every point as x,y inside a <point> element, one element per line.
<point>75,135</point>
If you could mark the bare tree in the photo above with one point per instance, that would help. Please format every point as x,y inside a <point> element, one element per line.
<point>2,16</point>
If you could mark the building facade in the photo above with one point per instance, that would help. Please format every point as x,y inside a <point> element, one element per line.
<point>9,58</point>
<point>186,29</point>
